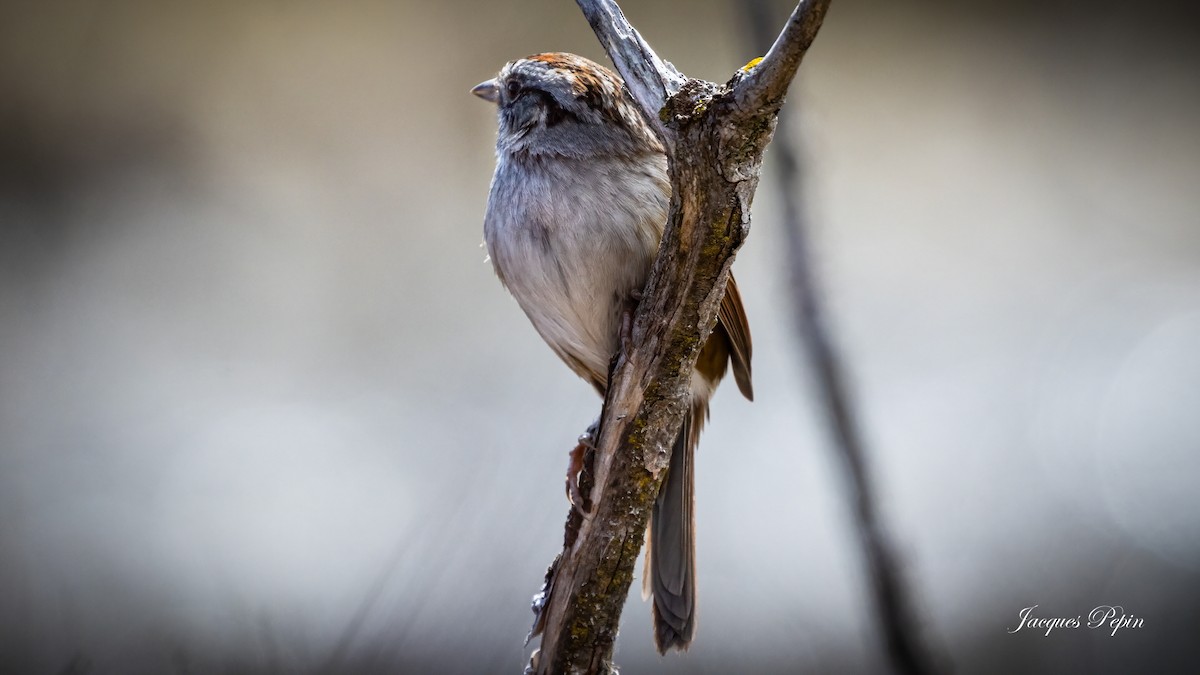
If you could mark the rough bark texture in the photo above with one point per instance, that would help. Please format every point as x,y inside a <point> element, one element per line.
<point>715,137</point>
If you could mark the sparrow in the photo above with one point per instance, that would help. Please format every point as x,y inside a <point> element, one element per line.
<point>575,214</point>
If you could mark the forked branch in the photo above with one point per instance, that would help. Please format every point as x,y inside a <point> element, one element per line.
<point>715,138</point>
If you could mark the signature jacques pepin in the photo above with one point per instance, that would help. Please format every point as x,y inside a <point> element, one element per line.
<point>1113,617</point>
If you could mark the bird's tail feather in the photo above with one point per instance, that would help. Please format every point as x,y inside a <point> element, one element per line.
<point>670,573</point>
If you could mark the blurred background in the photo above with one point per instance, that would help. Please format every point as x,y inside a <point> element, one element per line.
<point>264,408</point>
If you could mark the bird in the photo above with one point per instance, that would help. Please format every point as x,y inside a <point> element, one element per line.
<point>575,214</point>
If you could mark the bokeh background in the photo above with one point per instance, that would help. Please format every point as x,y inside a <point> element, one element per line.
<point>264,408</point>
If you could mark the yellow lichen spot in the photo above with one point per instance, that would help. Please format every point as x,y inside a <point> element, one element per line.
<point>753,62</point>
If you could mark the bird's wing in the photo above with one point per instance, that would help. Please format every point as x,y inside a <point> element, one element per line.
<point>732,316</point>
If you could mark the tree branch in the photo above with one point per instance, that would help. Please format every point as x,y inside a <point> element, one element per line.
<point>767,84</point>
<point>715,148</point>
<point>650,80</point>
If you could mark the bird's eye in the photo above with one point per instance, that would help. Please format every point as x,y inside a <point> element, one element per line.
<point>512,87</point>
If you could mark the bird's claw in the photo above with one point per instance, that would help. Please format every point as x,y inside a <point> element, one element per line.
<point>574,468</point>
<point>588,438</point>
<point>587,441</point>
<point>626,331</point>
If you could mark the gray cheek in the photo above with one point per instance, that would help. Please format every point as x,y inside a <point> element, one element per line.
<point>521,115</point>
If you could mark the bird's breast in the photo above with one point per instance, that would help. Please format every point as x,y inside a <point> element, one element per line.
<point>573,240</point>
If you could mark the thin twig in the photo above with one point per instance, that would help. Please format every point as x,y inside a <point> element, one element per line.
<point>768,83</point>
<point>891,596</point>
<point>650,80</point>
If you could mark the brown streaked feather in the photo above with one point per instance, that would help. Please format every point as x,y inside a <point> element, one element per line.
<point>713,361</point>
<point>732,317</point>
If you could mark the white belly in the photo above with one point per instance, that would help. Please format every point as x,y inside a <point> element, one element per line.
<point>572,242</point>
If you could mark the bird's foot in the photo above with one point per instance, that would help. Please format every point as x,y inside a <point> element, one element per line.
<point>588,439</point>
<point>575,468</point>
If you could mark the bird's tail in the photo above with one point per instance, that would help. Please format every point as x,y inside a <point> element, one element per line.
<point>670,573</point>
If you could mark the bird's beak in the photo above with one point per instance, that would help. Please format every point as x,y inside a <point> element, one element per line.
<point>488,91</point>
